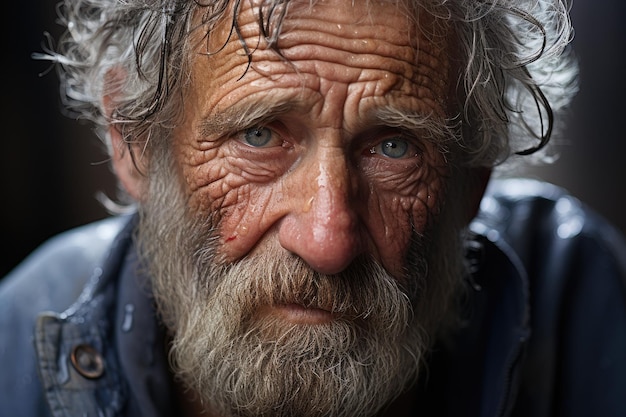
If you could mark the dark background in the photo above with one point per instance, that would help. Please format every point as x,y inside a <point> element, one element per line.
<point>52,167</point>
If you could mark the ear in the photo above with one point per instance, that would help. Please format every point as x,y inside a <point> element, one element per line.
<point>124,164</point>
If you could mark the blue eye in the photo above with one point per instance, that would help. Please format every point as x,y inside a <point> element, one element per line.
<point>393,148</point>
<point>258,136</point>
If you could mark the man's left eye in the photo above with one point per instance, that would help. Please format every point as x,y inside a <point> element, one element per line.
<point>258,136</point>
<point>393,148</point>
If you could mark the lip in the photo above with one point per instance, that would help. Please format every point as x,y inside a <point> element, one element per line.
<point>298,314</point>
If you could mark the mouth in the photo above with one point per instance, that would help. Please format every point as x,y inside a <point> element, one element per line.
<point>298,314</point>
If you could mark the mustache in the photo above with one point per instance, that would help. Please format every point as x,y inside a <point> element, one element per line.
<point>363,292</point>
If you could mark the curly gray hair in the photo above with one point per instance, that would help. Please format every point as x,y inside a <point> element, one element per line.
<point>517,73</point>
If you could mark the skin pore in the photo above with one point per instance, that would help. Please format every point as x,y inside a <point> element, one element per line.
<point>315,197</point>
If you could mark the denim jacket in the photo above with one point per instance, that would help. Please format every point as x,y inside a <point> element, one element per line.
<point>544,333</point>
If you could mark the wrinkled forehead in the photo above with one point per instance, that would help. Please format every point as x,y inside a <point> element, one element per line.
<point>269,20</point>
<point>380,48</point>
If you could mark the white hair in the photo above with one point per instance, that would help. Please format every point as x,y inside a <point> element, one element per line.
<point>516,75</point>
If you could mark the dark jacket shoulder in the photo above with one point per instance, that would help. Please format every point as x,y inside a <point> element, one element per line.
<point>575,361</point>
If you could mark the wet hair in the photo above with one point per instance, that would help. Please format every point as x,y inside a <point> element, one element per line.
<point>516,69</point>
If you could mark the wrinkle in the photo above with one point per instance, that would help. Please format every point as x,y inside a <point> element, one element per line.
<point>387,48</point>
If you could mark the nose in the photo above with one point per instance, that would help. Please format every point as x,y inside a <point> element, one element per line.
<point>323,227</point>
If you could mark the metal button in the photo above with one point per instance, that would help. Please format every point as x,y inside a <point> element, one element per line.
<point>87,361</point>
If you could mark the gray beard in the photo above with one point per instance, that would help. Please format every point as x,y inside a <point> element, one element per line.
<point>242,364</point>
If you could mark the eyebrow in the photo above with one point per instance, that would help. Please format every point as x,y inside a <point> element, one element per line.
<point>249,113</point>
<point>241,116</point>
<point>438,130</point>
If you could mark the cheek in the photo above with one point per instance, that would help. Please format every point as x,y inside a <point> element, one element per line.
<point>238,191</point>
<point>400,207</point>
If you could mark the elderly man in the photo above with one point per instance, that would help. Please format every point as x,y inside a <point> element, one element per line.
<point>306,234</point>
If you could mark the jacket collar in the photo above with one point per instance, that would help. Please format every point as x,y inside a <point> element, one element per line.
<point>79,368</point>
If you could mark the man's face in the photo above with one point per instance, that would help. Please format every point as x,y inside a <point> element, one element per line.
<point>288,233</point>
<point>301,151</point>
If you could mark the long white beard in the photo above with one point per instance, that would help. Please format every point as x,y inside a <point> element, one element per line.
<point>244,364</point>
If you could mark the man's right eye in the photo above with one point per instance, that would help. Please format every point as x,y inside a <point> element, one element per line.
<point>258,136</point>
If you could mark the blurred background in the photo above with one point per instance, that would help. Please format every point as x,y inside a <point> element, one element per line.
<point>52,167</point>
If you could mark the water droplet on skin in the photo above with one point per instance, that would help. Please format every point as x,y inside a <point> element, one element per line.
<point>308,205</point>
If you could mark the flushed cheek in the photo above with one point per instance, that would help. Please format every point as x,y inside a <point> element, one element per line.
<point>241,198</point>
<point>241,214</point>
<point>243,223</point>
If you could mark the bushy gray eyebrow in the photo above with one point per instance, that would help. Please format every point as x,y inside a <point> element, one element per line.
<point>244,115</point>
<point>435,129</point>
<point>241,116</point>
